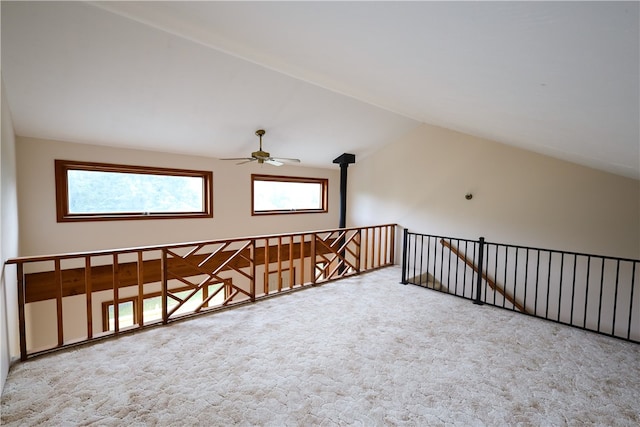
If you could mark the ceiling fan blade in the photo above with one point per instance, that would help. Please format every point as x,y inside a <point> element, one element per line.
<point>284,159</point>
<point>274,162</point>
<point>238,158</point>
<point>246,160</point>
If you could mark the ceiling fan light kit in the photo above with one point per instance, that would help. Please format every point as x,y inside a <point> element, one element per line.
<point>262,156</point>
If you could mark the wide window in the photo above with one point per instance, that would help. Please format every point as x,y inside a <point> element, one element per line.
<point>272,194</point>
<point>100,191</point>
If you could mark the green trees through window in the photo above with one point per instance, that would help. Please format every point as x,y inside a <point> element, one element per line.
<point>98,191</point>
<point>113,192</point>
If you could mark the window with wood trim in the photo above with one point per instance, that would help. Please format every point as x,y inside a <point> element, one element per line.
<point>272,194</point>
<point>127,314</point>
<point>88,191</point>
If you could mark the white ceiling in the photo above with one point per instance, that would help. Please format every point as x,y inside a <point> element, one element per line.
<point>323,78</point>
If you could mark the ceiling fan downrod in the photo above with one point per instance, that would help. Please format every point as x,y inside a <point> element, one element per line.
<point>259,133</point>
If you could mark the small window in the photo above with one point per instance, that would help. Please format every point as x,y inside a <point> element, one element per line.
<point>100,191</point>
<point>128,314</point>
<point>285,194</point>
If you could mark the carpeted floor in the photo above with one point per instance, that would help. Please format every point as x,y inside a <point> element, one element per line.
<point>361,351</point>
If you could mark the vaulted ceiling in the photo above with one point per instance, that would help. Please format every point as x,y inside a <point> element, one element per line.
<point>323,78</point>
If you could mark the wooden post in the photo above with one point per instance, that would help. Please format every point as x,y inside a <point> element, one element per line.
<point>252,284</point>
<point>116,295</point>
<point>88,293</point>
<point>163,266</point>
<point>58,280</point>
<point>140,270</point>
<point>312,257</point>
<point>392,252</point>
<point>21,317</point>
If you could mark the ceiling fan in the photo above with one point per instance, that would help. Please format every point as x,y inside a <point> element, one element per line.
<point>262,156</point>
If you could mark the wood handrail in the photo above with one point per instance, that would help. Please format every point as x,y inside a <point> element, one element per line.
<point>493,285</point>
<point>69,255</point>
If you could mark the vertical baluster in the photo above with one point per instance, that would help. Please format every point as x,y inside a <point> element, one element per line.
<point>140,270</point>
<point>486,270</point>
<point>279,263</point>
<point>267,260</point>
<point>432,249</point>
<point>302,281</point>
<point>383,260</point>
<point>478,299</point>
<point>312,255</point>
<point>573,288</point>
<point>560,289</point>
<point>495,272</point>
<point>366,252</point>
<point>252,260</point>
<point>615,299</point>
<point>449,270</point>
<point>88,295</point>
<point>22,325</point>
<point>435,257</point>
<point>526,279</point>
<point>464,274</point>
<point>442,266</point>
<point>291,263</point>
<point>546,314</point>
<point>586,292</point>
<point>601,288</point>
<point>515,279</point>
<point>457,265</point>
<point>535,302</point>
<point>164,279</point>
<point>358,259</point>
<point>116,294</point>
<point>633,285</point>
<point>392,251</point>
<point>506,262</point>
<point>420,270</point>
<point>405,238</point>
<point>415,254</point>
<point>58,280</point>
<point>379,245</point>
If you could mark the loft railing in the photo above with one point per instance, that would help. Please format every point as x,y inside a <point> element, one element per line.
<point>74,298</point>
<point>591,292</point>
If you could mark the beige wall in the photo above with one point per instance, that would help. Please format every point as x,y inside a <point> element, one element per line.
<point>9,346</point>
<point>519,197</point>
<point>41,234</point>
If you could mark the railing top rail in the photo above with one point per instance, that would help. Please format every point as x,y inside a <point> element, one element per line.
<point>608,257</point>
<point>564,252</point>
<point>118,251</point>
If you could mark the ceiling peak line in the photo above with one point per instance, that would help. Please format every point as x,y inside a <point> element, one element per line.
<point>134,12</point>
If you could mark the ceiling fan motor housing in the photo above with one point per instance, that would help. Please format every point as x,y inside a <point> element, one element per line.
<point>260,155</point>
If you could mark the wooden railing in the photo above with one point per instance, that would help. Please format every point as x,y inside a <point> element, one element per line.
<point>74,298</point>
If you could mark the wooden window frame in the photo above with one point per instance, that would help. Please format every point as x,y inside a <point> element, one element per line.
<point>107,304</point>
<point>324,182</point>
<point>62,195</point>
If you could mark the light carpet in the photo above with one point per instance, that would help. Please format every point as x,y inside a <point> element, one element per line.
<point>360,351</point>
